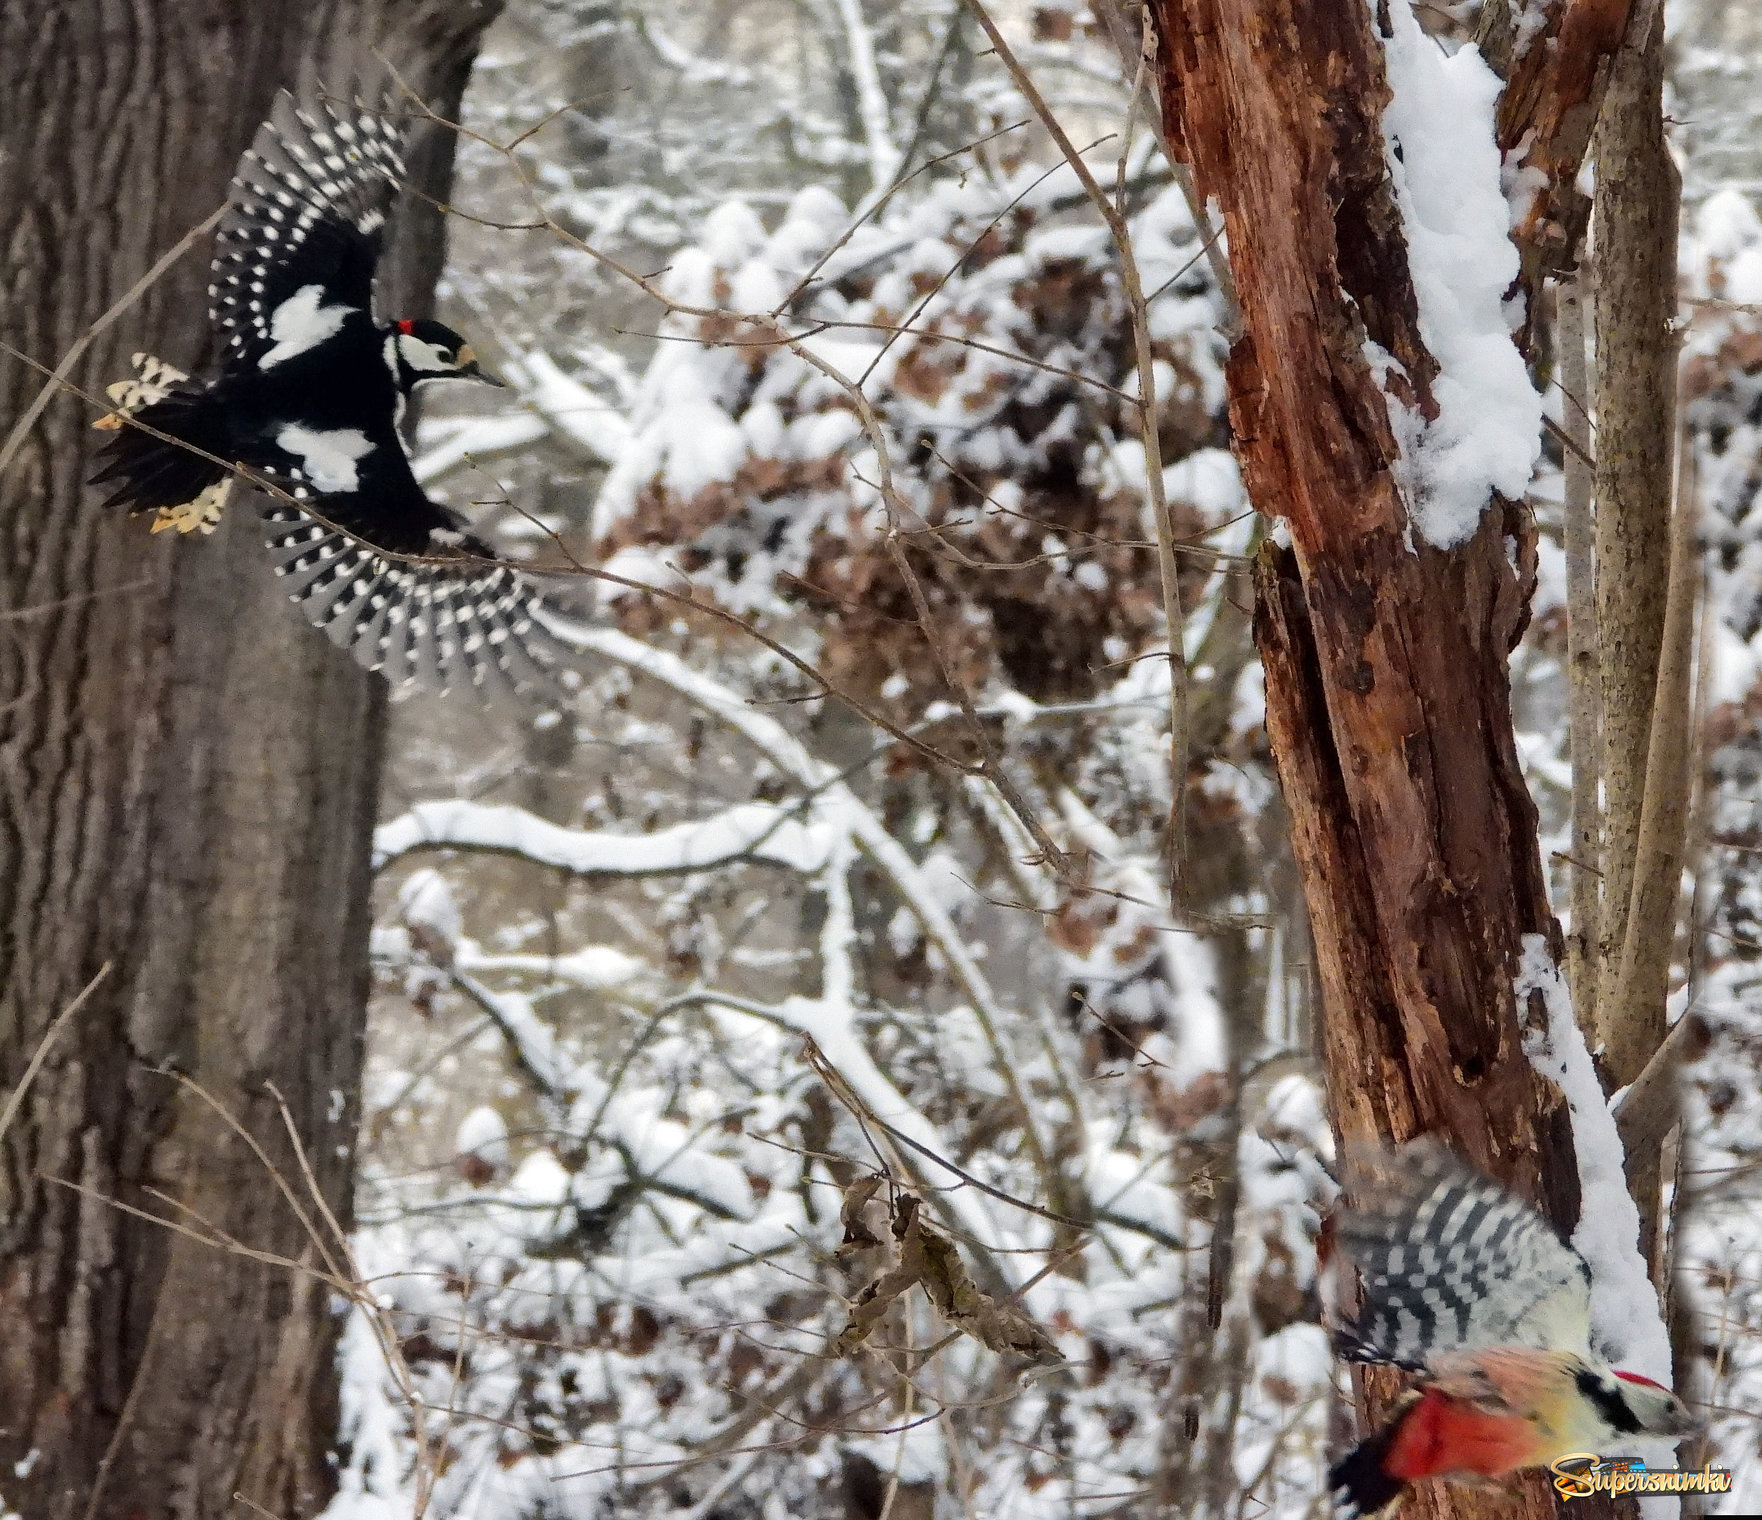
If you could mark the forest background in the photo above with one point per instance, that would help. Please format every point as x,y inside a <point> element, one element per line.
<point>869,814</point>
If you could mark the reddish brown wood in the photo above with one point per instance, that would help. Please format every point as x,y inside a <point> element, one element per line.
<point>1555,83</point>
<point>1423,790</point>
<point>1388,701</point>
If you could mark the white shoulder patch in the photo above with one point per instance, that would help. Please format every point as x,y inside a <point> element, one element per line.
<point>327,458</point>
<point>301,322</point>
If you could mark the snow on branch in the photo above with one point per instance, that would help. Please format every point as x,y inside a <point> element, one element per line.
<point>871,97</point>
<point>479,438</point>
<point>751,831</point>
<point>594,425</point>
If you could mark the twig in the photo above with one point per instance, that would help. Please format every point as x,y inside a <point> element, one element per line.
<point>58,376</point>
<point>1173,614</point>
<point>41,1053</point>
<point>1648,1105</point>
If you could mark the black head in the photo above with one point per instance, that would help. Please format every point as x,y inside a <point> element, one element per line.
<point>424,350</point>
<point>1633,1405</point>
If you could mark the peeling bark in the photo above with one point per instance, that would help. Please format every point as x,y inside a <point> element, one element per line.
<point>1388,701</point>
<point>1556,75</point>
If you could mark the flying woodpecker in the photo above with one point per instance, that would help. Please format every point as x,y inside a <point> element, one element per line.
<point>310,392</point>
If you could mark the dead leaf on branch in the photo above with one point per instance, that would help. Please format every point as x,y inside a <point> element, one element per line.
<point>932,1261</point>
<point>857,1234</point>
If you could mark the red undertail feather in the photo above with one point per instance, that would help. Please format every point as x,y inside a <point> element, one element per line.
<point>1442,1435</point>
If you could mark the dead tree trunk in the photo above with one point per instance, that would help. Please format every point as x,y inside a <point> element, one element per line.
<point>1387,695</point>
<point>188,779</point>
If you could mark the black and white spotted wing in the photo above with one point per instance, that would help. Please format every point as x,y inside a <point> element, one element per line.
<point>306,209</point>
<point>396,577</point>
<point>456,617</point>
<point>1451,1261</point>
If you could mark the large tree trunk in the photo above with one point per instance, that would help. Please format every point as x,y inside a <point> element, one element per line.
<point>189,776</point>
<point>1388,701</point>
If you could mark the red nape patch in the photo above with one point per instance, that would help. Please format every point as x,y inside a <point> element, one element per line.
<point>406,328</point>
<point>1439,1435</point>
<point>1634,1377</point>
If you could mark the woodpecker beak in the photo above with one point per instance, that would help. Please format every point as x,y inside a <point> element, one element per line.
<point>469,369</point>
<point>1687,1424</point>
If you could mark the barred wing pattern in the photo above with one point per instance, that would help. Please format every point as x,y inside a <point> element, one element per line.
<point>306,208</point>
<point>1450,1261</point>
<point>427,622</point>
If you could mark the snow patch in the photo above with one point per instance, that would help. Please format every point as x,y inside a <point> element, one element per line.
<point>1445,166</point>
<point>1626,1326</point>
<point>483,1133</point>
<point>426,902</point>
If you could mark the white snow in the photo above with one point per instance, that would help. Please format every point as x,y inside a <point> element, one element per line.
<point>1729,256</point>
<point>301,322</point>
<point>540,1180</point>
<point>1445,166</point>
<point>426,901</point>
<point>483,1133</point>
<point>593,968</point>
<point>593,424</point>
<point>370,1486</point>
<point>757,829</point>
<point>327,456</point>
<point>1626,1326</point>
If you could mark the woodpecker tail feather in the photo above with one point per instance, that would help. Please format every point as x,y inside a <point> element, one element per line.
<point>436,622</point>
<point>1361,1482</point>
<point>186,490</point>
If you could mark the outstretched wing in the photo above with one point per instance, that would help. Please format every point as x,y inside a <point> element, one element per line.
<point>398,580</point>
<point>301,235</point>
<point>1450,1261</point>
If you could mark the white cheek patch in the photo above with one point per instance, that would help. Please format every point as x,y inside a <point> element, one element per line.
<point>327,459</point>
<point>301,322</point>
<point>423,357</point>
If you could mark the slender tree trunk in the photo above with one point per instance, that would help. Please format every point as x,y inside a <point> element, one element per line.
<point>1388,701</point>
<point>1638,190</point>
<point>1637,193</point>
<point>187,787</point>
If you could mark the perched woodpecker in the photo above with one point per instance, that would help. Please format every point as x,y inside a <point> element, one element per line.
<point>1466,1285</point>
<point>309,397</point>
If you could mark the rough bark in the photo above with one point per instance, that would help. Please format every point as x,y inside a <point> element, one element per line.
<point>1557,69</point>
<point>189,783</point>
<point>1388,701</point>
